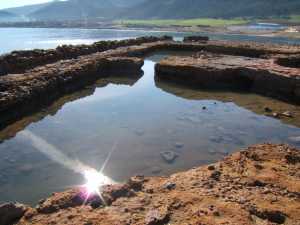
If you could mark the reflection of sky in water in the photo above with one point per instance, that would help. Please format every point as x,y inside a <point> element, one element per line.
<point>144,120</point>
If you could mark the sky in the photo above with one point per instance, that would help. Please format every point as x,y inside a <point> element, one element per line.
<point>13,3</point>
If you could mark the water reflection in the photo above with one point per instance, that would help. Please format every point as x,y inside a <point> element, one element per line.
<point>122,81</point>
<point>253,102</point>
<point>201,127</point>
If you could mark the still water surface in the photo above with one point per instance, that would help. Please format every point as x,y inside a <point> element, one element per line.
<point>31,38</point>
<point>140,118</point>
<point>137,116</point>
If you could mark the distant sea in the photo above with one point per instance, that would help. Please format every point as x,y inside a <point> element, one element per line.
<point>33,38</point>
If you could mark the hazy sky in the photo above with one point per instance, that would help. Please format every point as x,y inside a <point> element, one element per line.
<point>13,3</point>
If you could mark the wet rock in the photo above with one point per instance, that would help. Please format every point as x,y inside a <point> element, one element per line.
<point>270,215</point>
<point>223,71</point>
<point>258,166</point>
<point>267,109</point>
<point>275,115</point>
<point>216,175</point>
<point>212,152</point>
<point>139,132</point>
<point>25,169</point>
<point>71,198</point>
<point>169,156</point>
<point>136,183</point>
<point>217,140</point>
<point>287,114</point>
<point>156,170</point>
<point>211,167</point>
<point>19,61</point>
<point>223,152</point>
<point>196,39</point>
<point>169,186</point>
<point>256,183</point>
<point>33,89</point>
<point>292,158</point>
<point>179,145</point>
<point>216,213</point>
<point>120,190</point>
<point>157,216</point>
<point>10,213</point>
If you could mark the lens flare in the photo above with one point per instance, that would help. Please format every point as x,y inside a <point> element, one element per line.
<point>94,181</point>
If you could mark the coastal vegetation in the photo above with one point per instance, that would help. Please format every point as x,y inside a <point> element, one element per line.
<point>185,22</point>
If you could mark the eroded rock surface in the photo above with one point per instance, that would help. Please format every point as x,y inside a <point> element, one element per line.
<point>207,70</point>
<point>259,185</point>
<point>10,213</point>
<point>20,93</point>
<point>20,61</point>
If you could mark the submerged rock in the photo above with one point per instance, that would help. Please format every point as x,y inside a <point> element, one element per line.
<point>267,109</point>
<point>169,156</point>
<point>156,170</point>
<point>10,213</point>
<point>287,114</point>
<point>139,132</point>
<point>178,145</point>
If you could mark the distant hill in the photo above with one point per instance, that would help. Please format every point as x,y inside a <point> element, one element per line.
<point>174,9</point>
<point>7,16</point>
<point>75,10</point>
<point>127,3</point>
<point>26,10</point>
<point>66,10</point>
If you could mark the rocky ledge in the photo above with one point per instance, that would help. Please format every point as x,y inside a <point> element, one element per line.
<point>20,61</point>
<point>208,70</point>
<point>22,93</point>
<point>269,69</point>
<point>259,185</point>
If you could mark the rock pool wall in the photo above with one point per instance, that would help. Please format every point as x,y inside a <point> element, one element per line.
<point>213,71</point>
<point>22,93</point>
<point>20,61</point>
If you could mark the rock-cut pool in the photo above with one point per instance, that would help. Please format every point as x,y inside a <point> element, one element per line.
<point>138,118</point>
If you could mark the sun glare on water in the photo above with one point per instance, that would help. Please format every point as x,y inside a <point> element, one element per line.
<point>95,180</point>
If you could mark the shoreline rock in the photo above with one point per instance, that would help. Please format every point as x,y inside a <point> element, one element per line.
<point>22,93</point>
<point>20,61</point>
<point>258,185</point>
<point>217,71</point>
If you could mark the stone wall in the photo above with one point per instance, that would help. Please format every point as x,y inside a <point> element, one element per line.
<point>23,93</point>
<point>20,61</point>
<point>212,71</point>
